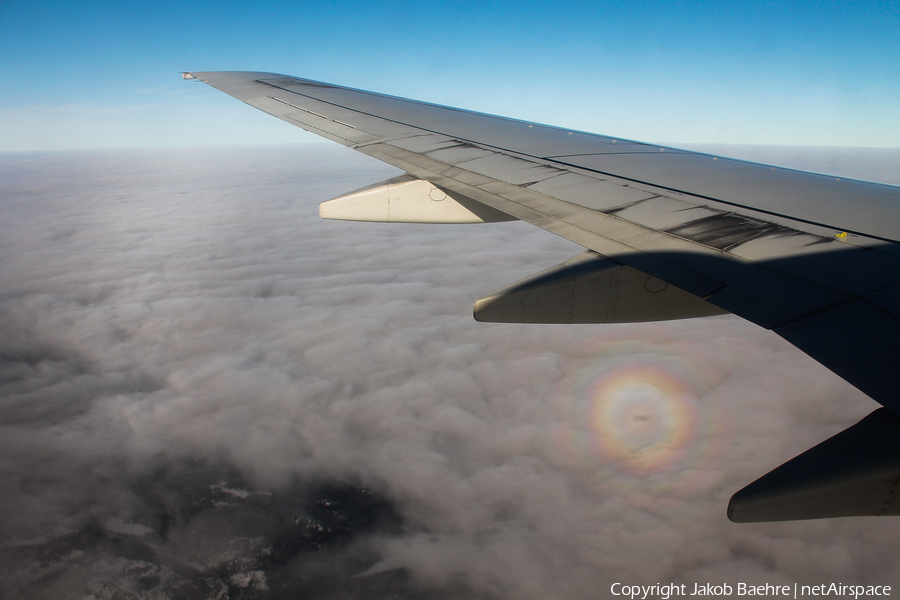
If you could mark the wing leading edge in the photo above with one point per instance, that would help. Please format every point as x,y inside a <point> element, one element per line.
<point>813,257</point>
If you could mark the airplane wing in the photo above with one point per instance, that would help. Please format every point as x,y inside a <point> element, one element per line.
<point>669,234</point>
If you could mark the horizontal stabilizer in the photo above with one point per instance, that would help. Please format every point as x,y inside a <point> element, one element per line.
<point>855,473</point>
<point>407,199</point>
<point>590,288</point>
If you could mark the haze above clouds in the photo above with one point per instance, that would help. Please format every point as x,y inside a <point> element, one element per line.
<point>206,389</point>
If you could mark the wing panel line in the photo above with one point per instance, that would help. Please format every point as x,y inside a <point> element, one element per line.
<point>575,168</point>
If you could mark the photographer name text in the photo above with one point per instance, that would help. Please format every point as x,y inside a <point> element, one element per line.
<point>673,590</point>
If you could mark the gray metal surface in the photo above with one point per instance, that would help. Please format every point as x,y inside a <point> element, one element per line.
<point>804,254</point>
<point>837,203</point>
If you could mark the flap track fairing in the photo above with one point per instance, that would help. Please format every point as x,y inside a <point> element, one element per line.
<point>855,473</point>
<point>591,288</point>
<point>408,199</point>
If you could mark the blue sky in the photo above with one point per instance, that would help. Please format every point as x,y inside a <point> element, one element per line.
<point>105,74</point>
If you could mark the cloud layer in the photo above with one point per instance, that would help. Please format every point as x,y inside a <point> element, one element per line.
<point>207,389</point>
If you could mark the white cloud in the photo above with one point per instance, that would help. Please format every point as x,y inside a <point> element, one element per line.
<point>171,316</point>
